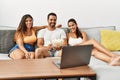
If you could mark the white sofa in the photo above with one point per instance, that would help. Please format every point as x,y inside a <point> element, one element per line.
<point>102,69</point>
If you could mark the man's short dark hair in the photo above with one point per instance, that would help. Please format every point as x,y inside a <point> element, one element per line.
<point>53,14</point>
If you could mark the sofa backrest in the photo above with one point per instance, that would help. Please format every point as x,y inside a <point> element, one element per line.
<point>94,32</point>
<point>6,40</point>
<point>6,36</point>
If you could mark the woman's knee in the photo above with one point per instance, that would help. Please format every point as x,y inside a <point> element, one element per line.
<point>21,57</point>
<point>94,52</point>
<point>92,40</point>
<point>16,56</point>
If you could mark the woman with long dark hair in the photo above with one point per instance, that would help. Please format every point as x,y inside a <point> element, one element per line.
<point>77,37</point>
<point>25,39</point>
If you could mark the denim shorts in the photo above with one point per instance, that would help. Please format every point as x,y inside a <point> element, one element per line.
<point>28,47</point>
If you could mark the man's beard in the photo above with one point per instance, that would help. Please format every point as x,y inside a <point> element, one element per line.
<point>52,25</point>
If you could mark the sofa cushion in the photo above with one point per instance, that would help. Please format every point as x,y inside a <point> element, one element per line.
<point>110,39</point>
<point>6,40</point>
<point>103,70</point>
<point>94,32</point>
<point>4,56</point>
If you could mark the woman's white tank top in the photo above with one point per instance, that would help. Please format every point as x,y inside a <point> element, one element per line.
<point>74,41</point>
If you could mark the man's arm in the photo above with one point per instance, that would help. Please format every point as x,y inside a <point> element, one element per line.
<point>40,42</point>
<point>36,28</point>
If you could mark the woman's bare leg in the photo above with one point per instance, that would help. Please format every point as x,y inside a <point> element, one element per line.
<point>100,47</point>
<point>101,56</point>
<point>32,55</point>
<point>97,54</point>
<point>115,62</point>
<point>41,53</point>
<point>17,54</point>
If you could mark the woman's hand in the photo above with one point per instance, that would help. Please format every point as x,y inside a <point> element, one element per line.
<point>28,55</point>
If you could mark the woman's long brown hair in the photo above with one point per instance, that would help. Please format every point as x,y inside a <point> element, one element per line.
<point>22,28</point>
<point>78,32</point>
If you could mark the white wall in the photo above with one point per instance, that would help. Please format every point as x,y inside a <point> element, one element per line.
<point>87,12</point>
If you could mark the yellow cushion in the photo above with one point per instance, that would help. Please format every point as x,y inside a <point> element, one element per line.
<point>110,39</point>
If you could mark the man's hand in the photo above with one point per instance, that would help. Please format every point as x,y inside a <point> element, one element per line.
<point>50,47</point>
<point>58,26</point>
<point>58,47</point>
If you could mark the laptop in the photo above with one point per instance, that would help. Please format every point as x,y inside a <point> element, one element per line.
<point>73,56</point>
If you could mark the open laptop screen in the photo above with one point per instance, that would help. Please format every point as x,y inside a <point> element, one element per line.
<point>73,56</point>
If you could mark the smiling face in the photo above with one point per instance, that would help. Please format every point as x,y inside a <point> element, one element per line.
<point>72,26</point>
<point>29,22</point>
<point>52,20</point>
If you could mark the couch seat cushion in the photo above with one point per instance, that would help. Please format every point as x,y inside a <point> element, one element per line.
<point>4,56</point>
<point>104,71</point>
